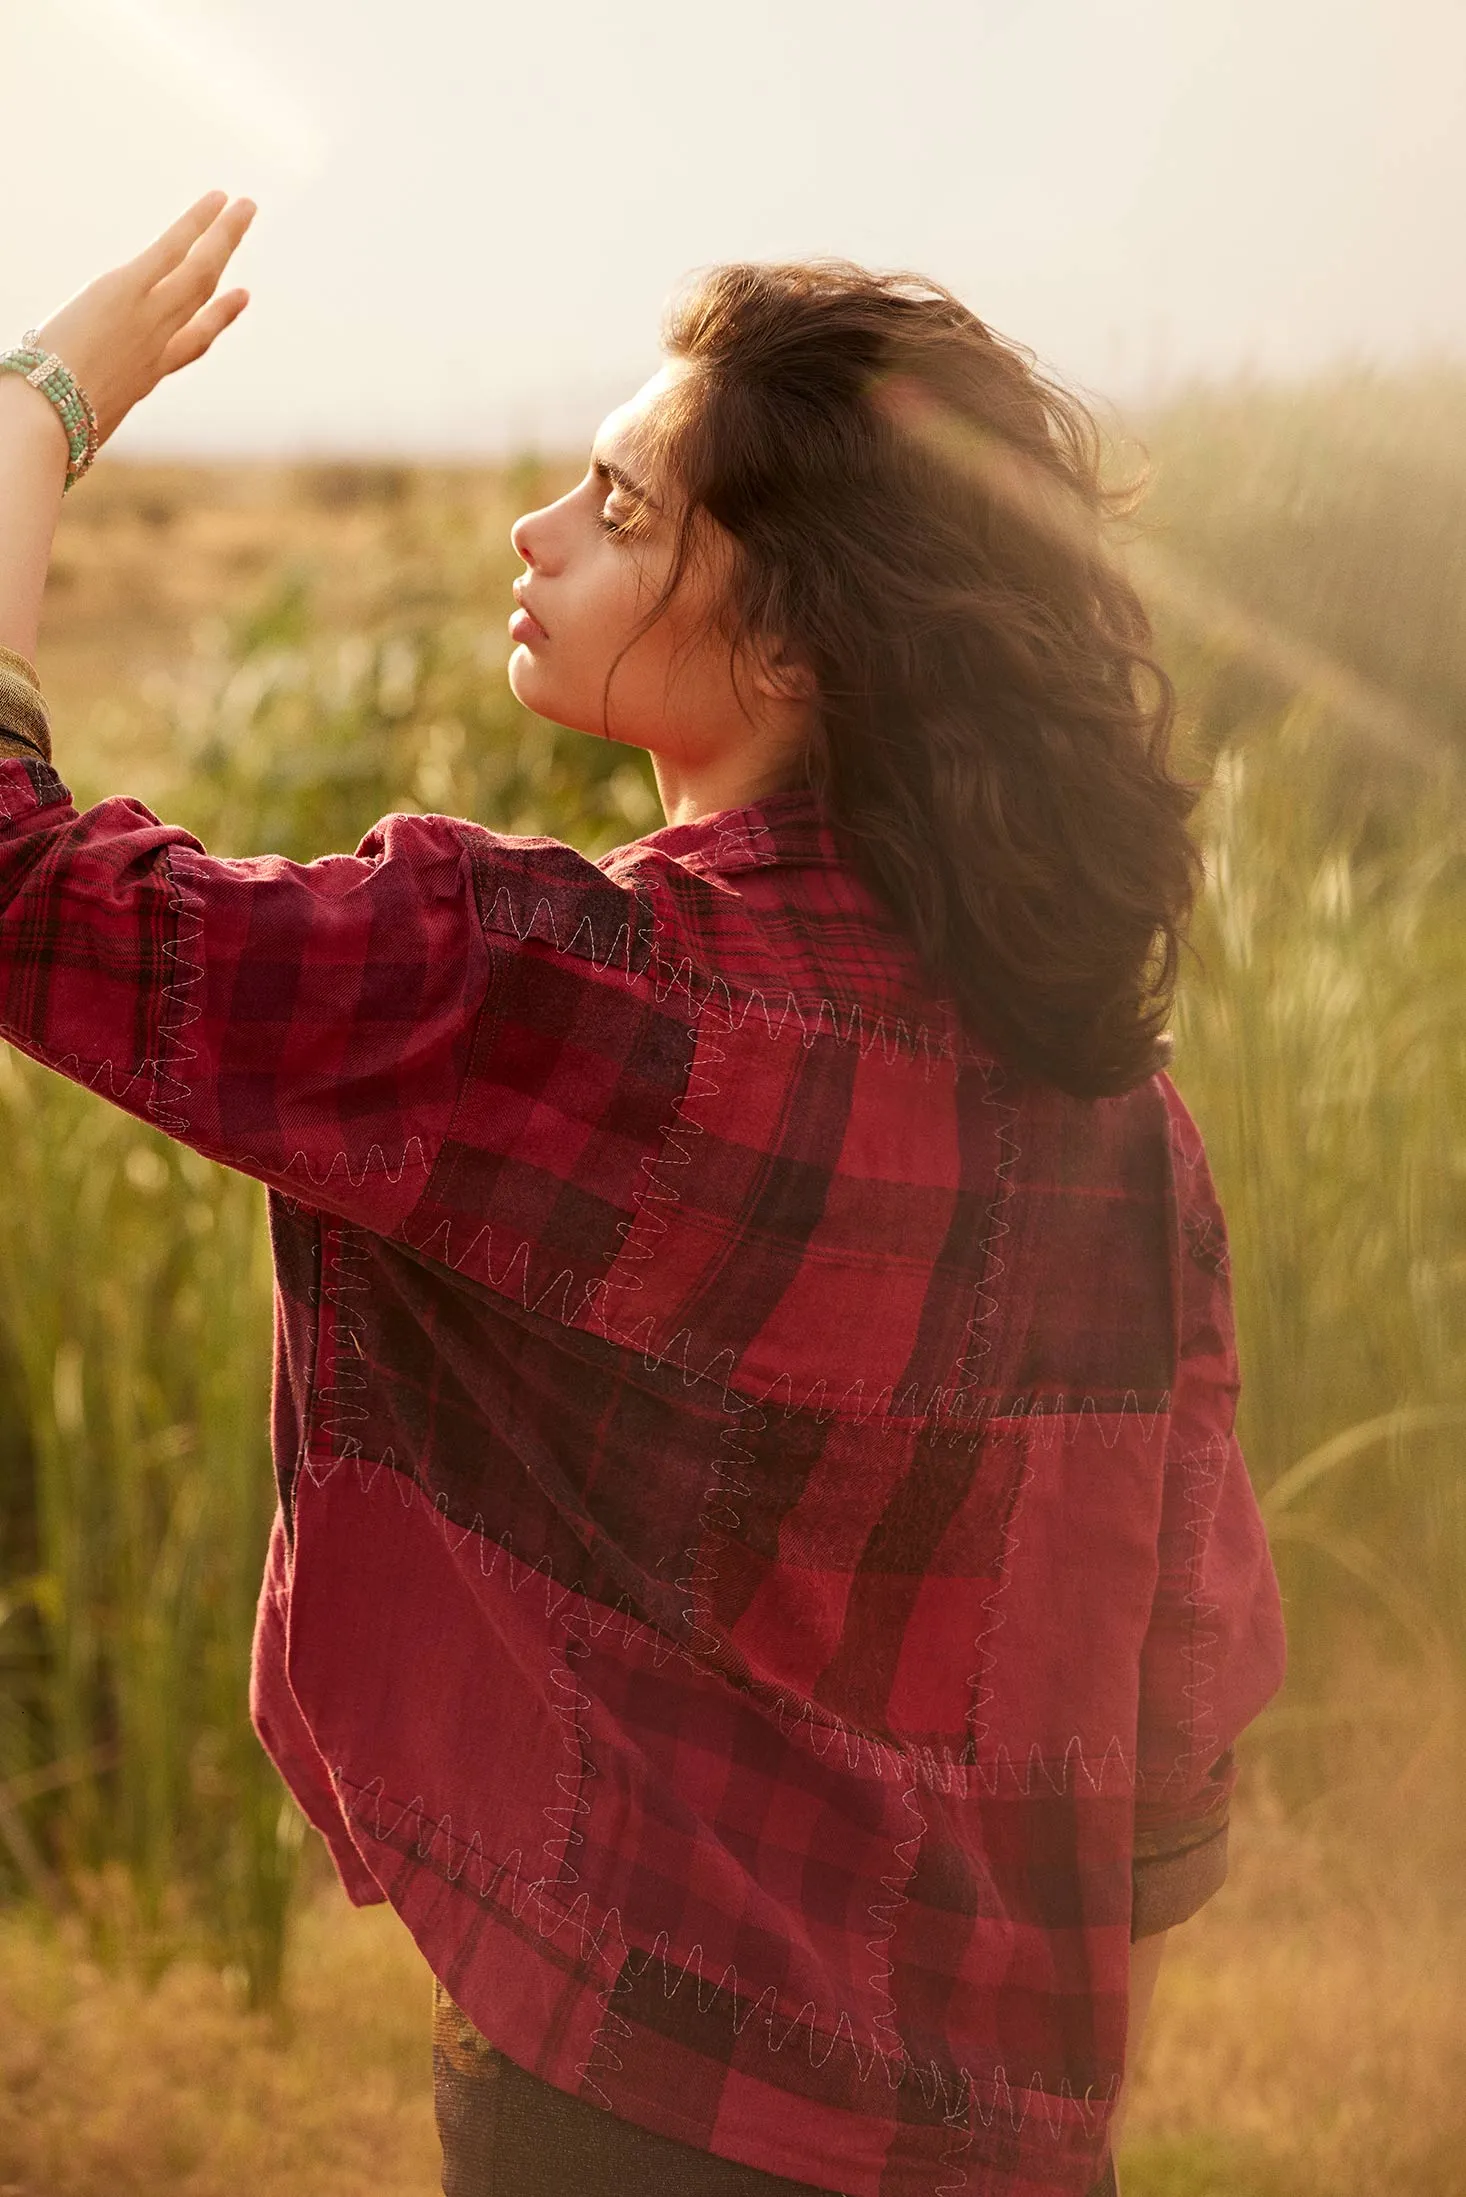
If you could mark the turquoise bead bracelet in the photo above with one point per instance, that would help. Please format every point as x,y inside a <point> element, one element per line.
<point>44,371</point>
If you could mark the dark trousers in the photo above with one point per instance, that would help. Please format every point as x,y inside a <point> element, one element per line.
<point>507,2134</point>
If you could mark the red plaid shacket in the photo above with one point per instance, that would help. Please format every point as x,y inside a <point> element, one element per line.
<point>763,1566</point>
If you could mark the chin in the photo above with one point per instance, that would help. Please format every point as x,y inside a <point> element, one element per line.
<point>528,683</point>
<point>536,687</point>
<point>534,684</point>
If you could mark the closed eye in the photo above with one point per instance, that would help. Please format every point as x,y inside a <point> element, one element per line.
<point>631,493</point>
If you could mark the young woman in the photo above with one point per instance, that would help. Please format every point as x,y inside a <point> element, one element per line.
<point>764,1578</point>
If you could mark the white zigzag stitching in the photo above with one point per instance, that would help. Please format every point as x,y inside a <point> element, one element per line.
<point>605,1944</point>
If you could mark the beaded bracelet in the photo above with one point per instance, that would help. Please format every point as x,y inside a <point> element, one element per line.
<point>44,371</point>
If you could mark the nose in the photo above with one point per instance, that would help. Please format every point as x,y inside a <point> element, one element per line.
<point>519,537</point>
<point>530,537</point>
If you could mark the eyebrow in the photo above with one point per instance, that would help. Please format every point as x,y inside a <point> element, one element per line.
<point>607,470</point>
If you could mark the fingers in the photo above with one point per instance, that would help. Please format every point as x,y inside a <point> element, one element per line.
<point>164,254</point>
<point>194,279</point>
<point>192,341</point>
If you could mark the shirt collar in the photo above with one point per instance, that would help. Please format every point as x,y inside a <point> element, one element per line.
<point>791,827</point>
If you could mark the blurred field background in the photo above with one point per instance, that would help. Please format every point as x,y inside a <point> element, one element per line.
<point>275,655</point>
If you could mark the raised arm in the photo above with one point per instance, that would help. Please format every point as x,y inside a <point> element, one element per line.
<point>307,1023</point>
<point>118,337</point>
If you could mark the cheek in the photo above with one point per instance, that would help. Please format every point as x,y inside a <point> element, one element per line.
<point>627,587</point>
<point>605,620</point>
<point>600,615</point>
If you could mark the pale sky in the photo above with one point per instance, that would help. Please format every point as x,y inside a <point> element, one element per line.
<point>470,214</point>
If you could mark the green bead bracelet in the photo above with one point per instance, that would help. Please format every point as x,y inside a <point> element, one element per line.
<point>44,371</point>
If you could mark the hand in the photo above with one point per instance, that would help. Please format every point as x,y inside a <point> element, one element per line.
<point>120,335</point>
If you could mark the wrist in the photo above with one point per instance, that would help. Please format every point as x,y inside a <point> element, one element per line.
<point>25,410</point>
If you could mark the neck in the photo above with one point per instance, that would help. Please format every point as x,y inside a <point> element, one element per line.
<point>694,787</point>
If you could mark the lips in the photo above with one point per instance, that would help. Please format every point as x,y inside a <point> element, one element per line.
<point>524,626</point>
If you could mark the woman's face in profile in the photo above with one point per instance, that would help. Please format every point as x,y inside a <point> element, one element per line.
<point>597,560</point>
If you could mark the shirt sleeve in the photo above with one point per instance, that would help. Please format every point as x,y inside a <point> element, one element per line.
<point>308,1023</point>
<point>1215,1650</point>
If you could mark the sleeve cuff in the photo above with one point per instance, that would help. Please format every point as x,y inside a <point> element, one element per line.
<point>35,786</point>
<point>23,713</point>
<point>1169,1888</point>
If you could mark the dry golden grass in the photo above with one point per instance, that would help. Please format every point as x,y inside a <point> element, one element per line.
<point>1308,2035</point>
<point>108,2089</point>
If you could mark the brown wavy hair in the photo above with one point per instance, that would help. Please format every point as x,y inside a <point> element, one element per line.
<point>920,517</point>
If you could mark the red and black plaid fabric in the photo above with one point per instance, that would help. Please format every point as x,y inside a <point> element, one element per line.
<point>762,1554</point>
<point>506,2134</point>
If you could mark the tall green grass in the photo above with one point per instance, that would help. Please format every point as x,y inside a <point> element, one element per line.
<point>1321,1038</point>
<point>1307,547</point>
<point>136,1286</point>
